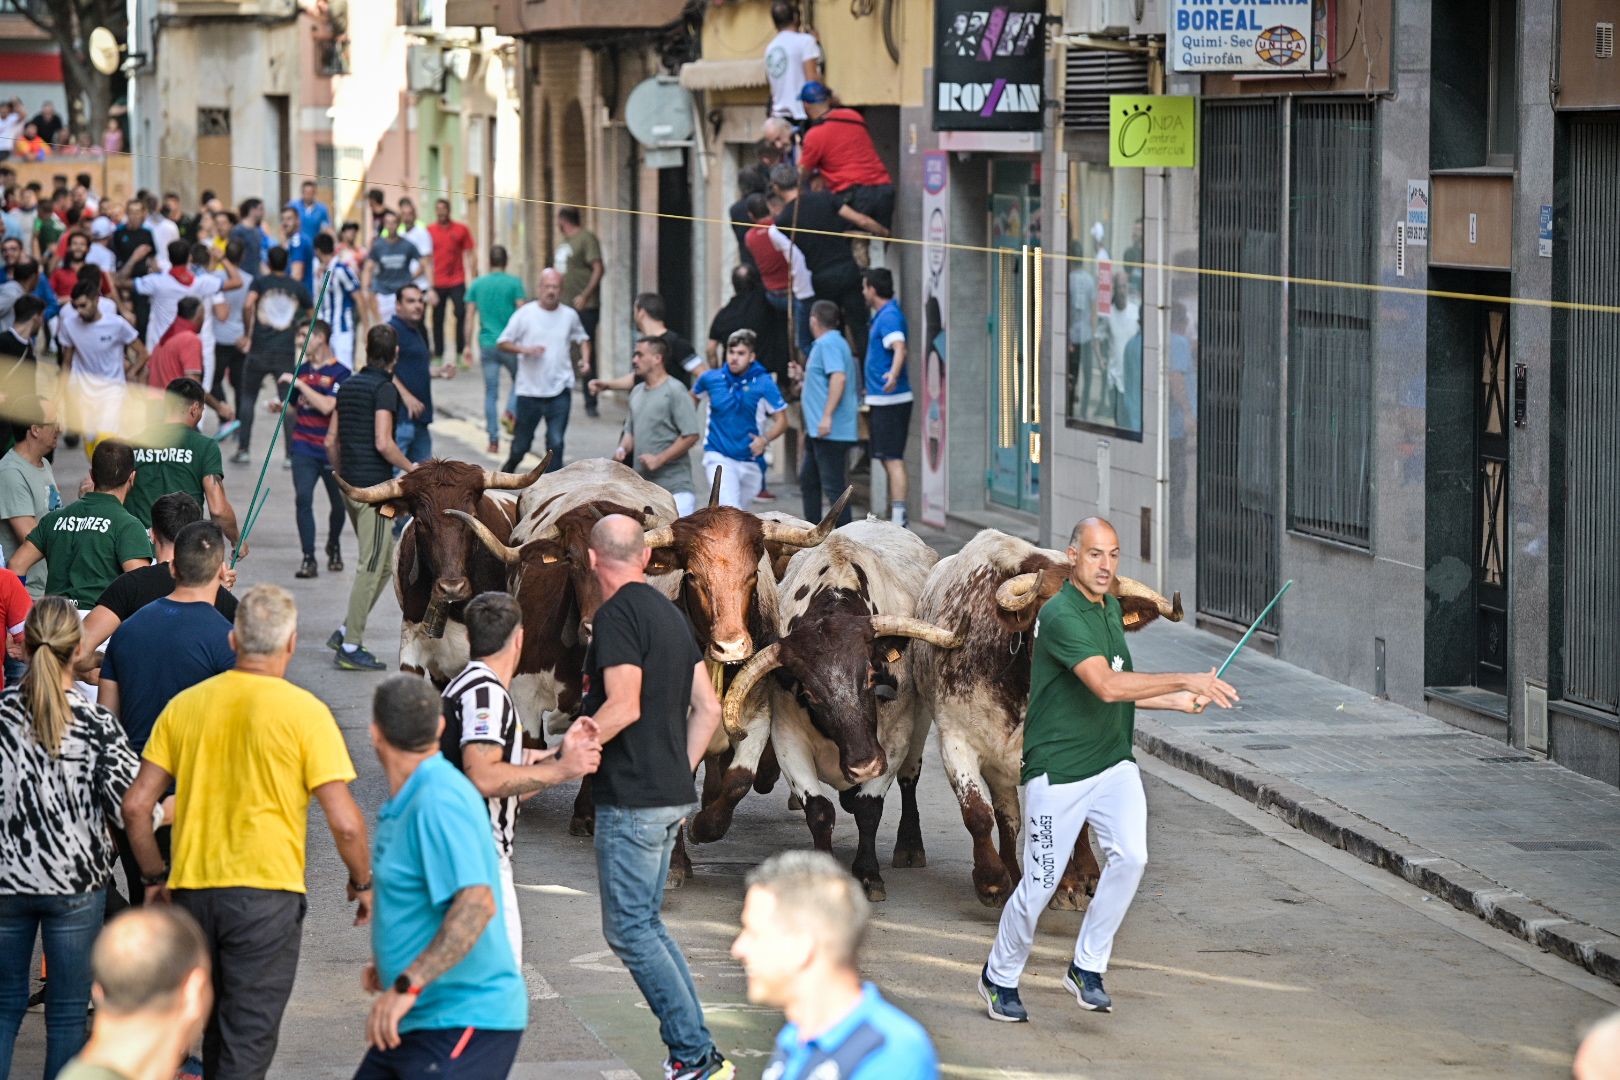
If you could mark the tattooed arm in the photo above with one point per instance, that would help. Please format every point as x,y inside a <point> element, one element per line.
<point>497,778</point>
<point>469,913</point>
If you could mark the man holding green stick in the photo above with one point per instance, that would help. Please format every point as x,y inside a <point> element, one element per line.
<point>1078,768</point>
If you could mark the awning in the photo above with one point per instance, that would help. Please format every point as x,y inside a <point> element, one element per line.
<point>723,74</point>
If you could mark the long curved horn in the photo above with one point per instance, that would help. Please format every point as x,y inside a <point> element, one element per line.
<point>376,493</point>
<point>782,533</point>
<point>759,665</point>
<point>1170,609</point>
<point>511,481</point>
<point>921,629</point>
<point>661,537</point>
<point>508,555</point>
<point>714,487</point>
<point>1017,593</point>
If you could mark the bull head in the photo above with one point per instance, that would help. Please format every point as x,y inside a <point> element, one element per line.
<point>1139,604</point>
<point>787,654</point>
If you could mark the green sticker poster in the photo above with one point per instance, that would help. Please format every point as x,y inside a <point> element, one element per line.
<point>1152,132</point>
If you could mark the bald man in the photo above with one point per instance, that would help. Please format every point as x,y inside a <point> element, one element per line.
<point>152,994</point>
<point>539,335</point>
<point>643,674</point>
<point>1599,1055</point>
<point>1078,768</point>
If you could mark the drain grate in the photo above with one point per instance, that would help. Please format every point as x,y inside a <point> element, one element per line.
<point>1510,759</point>
<point>1231,731</point>
<point>1560,845</point>
<point>1440,735</point>
<point>1268,746</point>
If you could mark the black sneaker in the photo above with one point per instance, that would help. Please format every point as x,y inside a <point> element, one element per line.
<point>713,1066</point>
<point>1003,1001</point>
<point>359,660</point>
<point>334,558</point>
<point>1087,988</point>
<point>335,642</point>
<point>308,569</point>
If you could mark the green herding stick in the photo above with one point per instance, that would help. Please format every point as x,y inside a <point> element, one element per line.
<point>1244,640</point>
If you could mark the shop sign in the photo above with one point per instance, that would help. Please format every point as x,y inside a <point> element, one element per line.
<point>1152,132</point>
<point>1273,36</point>
<point>936,289</point>
<point>989,65</point>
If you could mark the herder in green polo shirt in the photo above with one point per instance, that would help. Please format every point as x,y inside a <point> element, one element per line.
<point>88,543</point>
<point>175,456</point>
<point>1083,695</point>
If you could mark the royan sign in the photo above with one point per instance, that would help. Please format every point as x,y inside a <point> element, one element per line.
<point>989,65</point>
<point>1274,36</point>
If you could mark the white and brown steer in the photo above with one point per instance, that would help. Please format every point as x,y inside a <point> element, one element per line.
<point>844,712</point>
<point>993,588</point>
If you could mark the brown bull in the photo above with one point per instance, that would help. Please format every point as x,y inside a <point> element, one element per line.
<point>437,569</point>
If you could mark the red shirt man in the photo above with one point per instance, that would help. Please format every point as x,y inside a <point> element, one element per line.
<point>179,354</point>
<point>15,604</point>
<point>452,243</point>
<point>840,148</point>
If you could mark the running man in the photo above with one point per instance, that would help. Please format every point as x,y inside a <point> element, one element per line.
<point>737,394</point>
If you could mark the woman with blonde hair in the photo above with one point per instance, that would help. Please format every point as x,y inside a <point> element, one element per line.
<point>64,767</point>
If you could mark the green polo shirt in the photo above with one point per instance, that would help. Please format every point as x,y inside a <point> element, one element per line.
<point>1069,732</point>
<point>86,544</point>
<point>172,457</point>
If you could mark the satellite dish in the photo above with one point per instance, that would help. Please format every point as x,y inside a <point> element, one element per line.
<point>659,116</point>
<point>106,55</point>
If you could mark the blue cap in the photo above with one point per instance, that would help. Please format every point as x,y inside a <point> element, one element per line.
<point>815,93</point>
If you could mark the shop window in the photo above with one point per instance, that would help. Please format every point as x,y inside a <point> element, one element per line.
<point>1103,387</point>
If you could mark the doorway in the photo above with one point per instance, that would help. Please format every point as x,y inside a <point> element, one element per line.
<point>1490,499</point>
<point>1014,475</point>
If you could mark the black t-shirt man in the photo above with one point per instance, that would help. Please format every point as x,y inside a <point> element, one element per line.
<point>123,245</point>
<point>134,589</point>
<point>808,221</point>
<point>360,398</point>
<point>280,300</point>
<point>646,763</point>
<point>750,310</point>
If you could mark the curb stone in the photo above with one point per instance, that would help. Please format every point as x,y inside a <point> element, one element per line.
<point>1465,889</point>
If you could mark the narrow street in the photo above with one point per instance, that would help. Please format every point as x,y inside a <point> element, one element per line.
<point>1252,950</point>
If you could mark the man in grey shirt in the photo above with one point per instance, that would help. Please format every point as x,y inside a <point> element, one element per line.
<point>662,426</point>
<point>230,333</point>
<point>390,266</point>
<point>27,493</point>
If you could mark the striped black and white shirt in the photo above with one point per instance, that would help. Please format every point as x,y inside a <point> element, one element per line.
<point>477,709</point>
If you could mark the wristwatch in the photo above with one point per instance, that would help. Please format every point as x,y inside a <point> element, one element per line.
<point>402,985</point>
<point>159,878</point>
<point>357,887</point>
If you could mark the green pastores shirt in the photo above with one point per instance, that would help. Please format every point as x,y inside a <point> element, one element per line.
<point>497,295</point>
<point>172,457</point>
<point>1070,733</point>
<point>583,250</point>
<point>86,544</point>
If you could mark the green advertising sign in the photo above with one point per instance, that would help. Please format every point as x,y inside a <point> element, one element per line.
<point>1152,132</point>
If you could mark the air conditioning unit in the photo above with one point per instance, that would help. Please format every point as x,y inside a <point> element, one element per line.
<point>424,69</point>
<point>1114,18</point>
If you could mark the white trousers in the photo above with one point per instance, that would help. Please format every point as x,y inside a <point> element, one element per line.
<point>685,502</point>
<point>385,306</point>
<point>509,911</point>
<point>740,481</point>
<point>343,348</point>
<point>1114,804</point>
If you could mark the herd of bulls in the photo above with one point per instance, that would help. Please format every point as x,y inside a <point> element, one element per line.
<point>834,649</point>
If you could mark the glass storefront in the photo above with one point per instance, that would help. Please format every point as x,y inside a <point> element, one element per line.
<point>1103,388</point>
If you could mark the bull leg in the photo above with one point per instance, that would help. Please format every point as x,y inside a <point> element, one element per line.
<point>1079,877</point>
<point>680,863</point>
<point>714,767</point>
<point>769,771</point>
<point>820,815</point>
<point>1009,822</point>
<point>714,819</point>
<point>991,879</point>
<point>908,841</point>
<point>868,812</point>
<point>583,823</point>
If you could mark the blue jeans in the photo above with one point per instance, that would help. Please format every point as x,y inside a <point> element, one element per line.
<point>633,845</point>
<point>415,440</point>
<point>822,474</point>
<point>494,362</point>
<point>307,472</point>
<point>530,411</point>
<point>68,925</point>
<point>802,338</point>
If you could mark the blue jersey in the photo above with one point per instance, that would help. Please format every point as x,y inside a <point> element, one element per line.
<point>433,840</point>
<point>875,1041</point>
<point>311,219</point>
<point>735,403</point>
<point>299,250</point>
<point>888,330</point>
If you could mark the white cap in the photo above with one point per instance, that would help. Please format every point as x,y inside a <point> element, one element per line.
<point>1097,232</point>
<point>101,227</point>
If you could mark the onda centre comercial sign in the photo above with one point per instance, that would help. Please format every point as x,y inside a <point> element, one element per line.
<point>989,65</point>
<point>1275,36</point>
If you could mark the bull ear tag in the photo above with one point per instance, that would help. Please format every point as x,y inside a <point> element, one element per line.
<point>893,654</point>
<point>387,510</point>
<point>549,559</point>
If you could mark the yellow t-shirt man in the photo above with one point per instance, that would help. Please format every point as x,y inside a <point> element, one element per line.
<point>245,751</point>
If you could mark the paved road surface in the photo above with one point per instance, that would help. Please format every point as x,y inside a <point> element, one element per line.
<point>1252,951</point>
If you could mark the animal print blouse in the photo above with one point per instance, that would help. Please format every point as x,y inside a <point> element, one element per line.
<point>54,812</point>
